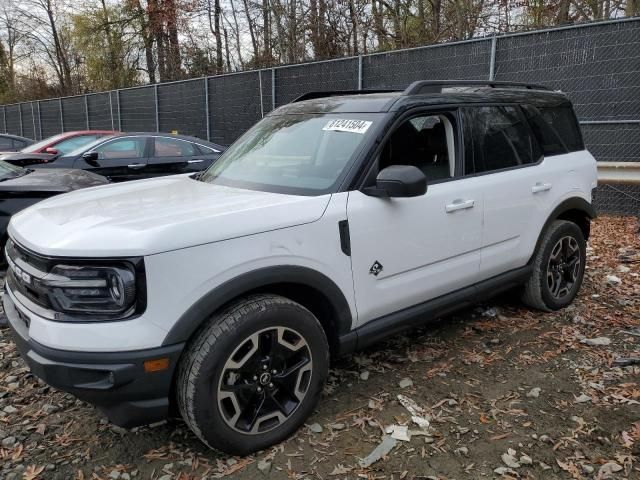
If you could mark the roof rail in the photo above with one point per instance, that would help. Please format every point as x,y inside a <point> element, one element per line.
<point>436,86</point>
<point>337,93</point>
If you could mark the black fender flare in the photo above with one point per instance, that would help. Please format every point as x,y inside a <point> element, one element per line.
<point>573,203</point>
<point>258,279</point>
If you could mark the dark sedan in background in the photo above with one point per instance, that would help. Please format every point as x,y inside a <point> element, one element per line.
<point>22,187</point>
<point>132,156</point>
<point>13,143</point>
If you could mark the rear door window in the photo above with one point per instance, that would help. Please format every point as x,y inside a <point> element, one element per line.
<point>6,143</point>
<point>172,147</point>
<point>501,139</point>
<point>555,128</point>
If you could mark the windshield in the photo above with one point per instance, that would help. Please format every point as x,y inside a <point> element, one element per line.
<point>87,146</point>
<point>9,171</point>
<point>34,147</point>
<point>306,154</point>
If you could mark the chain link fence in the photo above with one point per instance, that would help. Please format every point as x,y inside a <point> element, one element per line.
<point>596,64</point>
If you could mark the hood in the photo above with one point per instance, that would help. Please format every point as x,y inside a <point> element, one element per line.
<point>24,159</point>
<point>156,215</point>
<point>60,180</point>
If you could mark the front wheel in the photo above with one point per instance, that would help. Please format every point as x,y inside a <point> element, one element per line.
<point>558,267</point>
<point>253,374</point>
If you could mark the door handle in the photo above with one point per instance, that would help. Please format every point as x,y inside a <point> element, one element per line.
<point>541,187</point>
<point>136,166</point>
<point>195,161</point>
<point>459,205</point>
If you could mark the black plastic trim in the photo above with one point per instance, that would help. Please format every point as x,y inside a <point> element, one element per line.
<point>573,203</point>
<point>435,86</point>
<point>394,323</point>
<point>345,239</point>
<point>256,280</point>
<point>115,382</point>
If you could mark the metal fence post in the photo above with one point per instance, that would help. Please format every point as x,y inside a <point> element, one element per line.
<point>61,115</point>
<point>155,99</point>
<point>111,109</point>
<point>359,72</point>
<point>20,117</point>
<point>273,89</point>
<point>260,88</point>
<point>86,111</point>
<point>206,107</point>
<point>39,120</point>
<point>492,64</point>
<point>33,121</point>
<point>119,112</point>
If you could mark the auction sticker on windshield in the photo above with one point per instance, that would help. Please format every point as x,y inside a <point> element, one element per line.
<point>352,126</point>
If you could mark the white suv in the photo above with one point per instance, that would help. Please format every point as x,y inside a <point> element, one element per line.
<point>337,220</point>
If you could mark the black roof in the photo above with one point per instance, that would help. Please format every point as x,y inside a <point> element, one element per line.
<point>423,93</point>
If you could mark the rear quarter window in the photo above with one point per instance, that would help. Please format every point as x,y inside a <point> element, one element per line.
<point>555,128</point>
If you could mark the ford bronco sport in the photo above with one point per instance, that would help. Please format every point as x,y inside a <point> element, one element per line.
<point>337,220</point>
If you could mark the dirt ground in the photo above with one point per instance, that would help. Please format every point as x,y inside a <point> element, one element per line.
<point>508,393</point>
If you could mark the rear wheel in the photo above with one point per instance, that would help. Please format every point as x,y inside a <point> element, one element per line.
<point>558,267</point>
<point>253,374</point>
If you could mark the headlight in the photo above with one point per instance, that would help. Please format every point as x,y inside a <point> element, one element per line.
<point>85,290</point>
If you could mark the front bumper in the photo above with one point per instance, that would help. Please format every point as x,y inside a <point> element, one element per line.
<point>115,382</point>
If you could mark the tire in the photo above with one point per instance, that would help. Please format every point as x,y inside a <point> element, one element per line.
<point>546,289</point>
<point>222,380</point>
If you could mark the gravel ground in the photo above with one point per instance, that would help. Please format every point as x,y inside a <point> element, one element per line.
<point>506,392</point>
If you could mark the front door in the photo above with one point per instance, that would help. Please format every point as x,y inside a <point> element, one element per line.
<point>406,251</point>
<point>120,159</point>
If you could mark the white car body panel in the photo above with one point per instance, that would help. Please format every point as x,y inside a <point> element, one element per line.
<point>425,251</point>
<point>518,202</point>
<point>179,278</point>
<point>155,215</point>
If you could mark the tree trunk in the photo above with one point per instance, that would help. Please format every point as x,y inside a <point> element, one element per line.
<point>266,28</point>
<point>563,12</point>
<point>236,34</point>
<point>173,57</point>
<point>252,30</point>
<point>354,26</point>
<point>378,25</point>
<point>292,46</point>
<point>61,58</point>
<point>314,28</point>
<point>322,29</point>
<point>226,48</point>
<point>216,15</point>
<point>113,61</point>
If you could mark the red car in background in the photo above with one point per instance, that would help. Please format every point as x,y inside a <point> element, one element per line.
<point>66,142</point>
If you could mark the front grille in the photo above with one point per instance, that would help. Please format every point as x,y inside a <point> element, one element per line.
<point>24,271</point>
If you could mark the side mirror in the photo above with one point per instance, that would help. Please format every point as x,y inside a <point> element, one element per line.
<point>90,156</point>
<point>399,181</point>
<point>51,150</point>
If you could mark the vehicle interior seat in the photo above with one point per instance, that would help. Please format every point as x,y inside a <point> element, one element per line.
<point>426,149</point>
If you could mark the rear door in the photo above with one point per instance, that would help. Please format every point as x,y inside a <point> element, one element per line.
<point>171,156</point>
<point>507,163</point>
<point>120,158</point>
